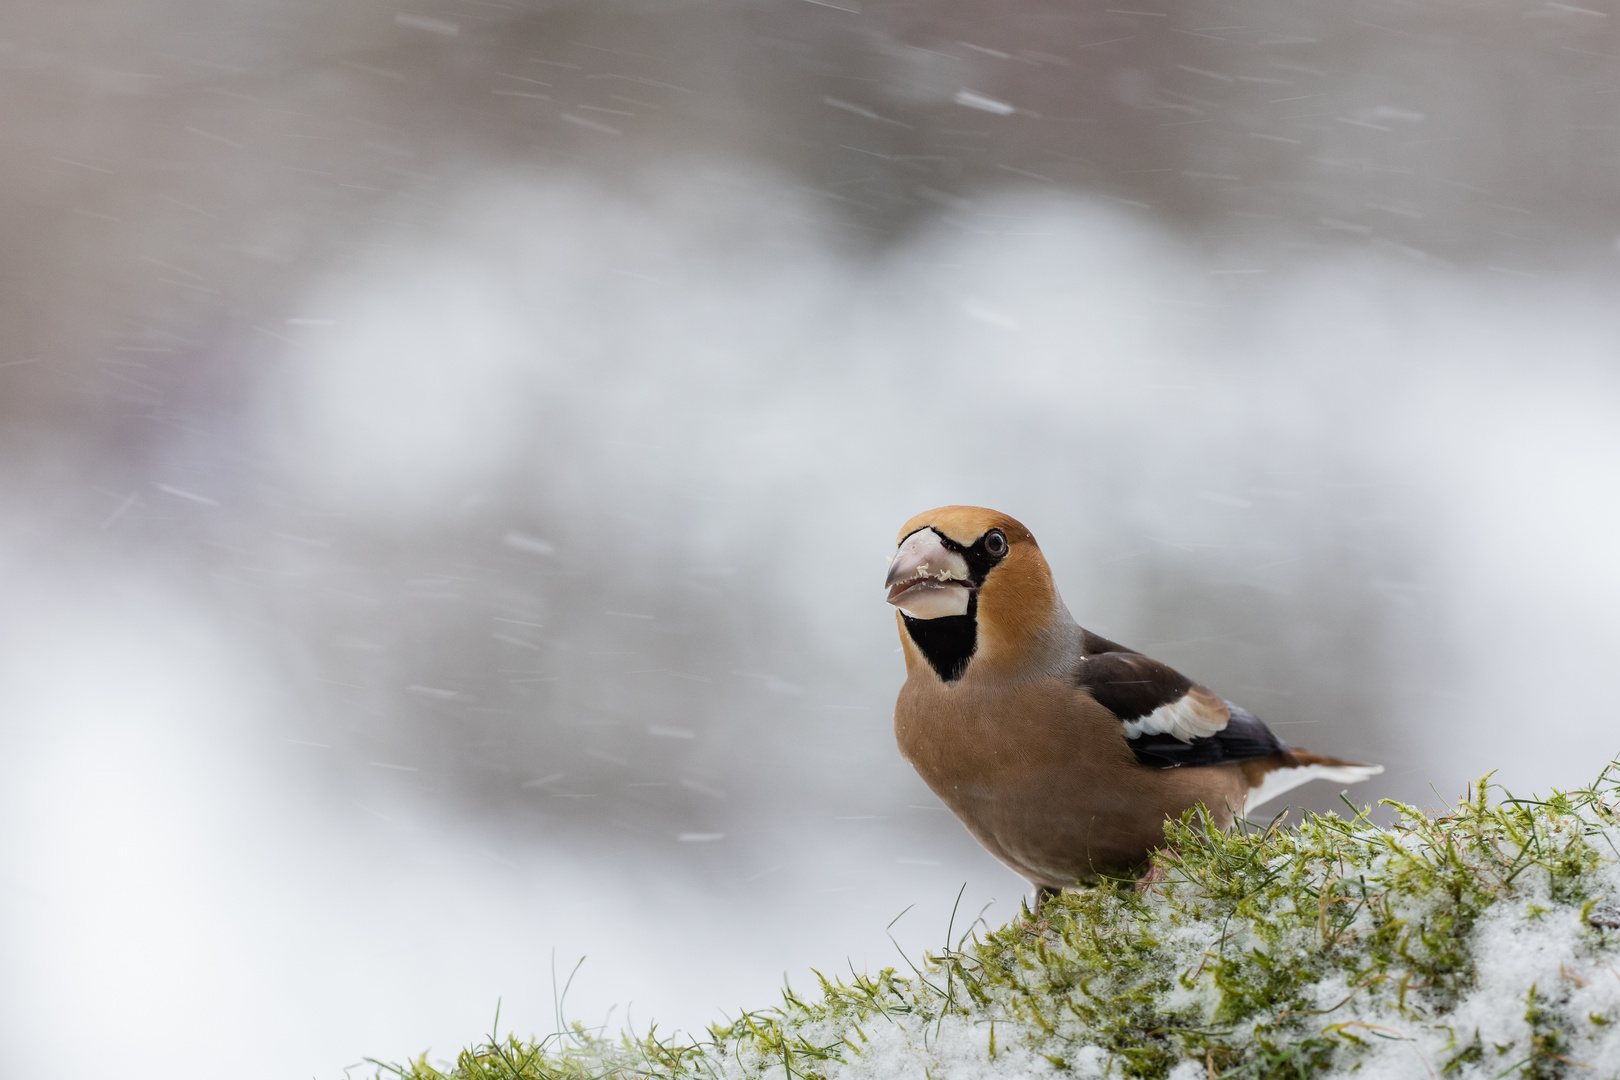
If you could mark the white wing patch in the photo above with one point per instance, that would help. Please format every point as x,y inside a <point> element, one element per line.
<point>1279,781</point>
<point>1181,718</point>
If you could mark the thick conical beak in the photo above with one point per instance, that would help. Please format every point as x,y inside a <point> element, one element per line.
<point>927,580</point>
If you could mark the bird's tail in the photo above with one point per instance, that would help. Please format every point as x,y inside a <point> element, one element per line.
<point>1272,776</point>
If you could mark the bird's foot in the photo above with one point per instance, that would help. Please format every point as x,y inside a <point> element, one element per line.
<point>1037,916</point>
<point>1154,877</point>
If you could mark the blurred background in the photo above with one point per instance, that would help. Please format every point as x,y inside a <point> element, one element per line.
<point>449,451</point>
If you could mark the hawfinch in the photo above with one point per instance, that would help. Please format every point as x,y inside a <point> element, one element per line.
<point>1062,752</point>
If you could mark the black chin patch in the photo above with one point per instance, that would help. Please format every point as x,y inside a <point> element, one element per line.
<point>948,642</point>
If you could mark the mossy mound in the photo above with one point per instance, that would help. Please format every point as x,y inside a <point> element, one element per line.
<point>1483,942</point>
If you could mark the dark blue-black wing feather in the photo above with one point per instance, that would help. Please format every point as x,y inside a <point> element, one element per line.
<point>1243,738</point>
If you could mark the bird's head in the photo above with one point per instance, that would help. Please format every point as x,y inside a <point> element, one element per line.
<point>971,586</point>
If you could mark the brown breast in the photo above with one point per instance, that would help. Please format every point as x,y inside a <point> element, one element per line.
<point>1042,776</point>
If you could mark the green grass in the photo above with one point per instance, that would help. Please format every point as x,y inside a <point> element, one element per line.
<point>1454,944</point>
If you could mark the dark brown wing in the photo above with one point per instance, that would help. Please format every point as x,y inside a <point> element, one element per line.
<point>1168,719</point>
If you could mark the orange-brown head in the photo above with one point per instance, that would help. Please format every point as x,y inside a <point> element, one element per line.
<point>974,593</point>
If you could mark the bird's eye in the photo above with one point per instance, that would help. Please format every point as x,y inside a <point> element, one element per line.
<point>995,543</point>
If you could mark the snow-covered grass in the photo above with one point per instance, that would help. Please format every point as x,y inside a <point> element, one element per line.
<point>1481,942</point>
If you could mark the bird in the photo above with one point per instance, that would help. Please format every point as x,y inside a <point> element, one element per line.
<point>1064,753</point>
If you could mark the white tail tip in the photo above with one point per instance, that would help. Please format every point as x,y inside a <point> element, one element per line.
<point>1280,781</point>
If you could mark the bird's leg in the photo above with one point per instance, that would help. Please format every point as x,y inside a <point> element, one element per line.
<point>1037,923</point>
<point>1155,874</point>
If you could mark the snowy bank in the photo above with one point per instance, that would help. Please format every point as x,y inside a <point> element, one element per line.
<point>1482,942</point>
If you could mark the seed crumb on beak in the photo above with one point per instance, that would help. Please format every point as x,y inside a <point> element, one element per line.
<point>927,580</point>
